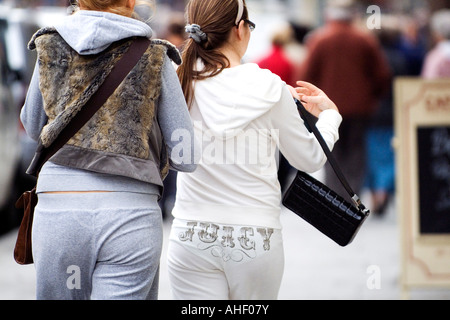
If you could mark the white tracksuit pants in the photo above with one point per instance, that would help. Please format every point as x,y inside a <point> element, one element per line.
<point>210,261</point>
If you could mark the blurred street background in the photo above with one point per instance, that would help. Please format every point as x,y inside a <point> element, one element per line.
<point>315,267</point>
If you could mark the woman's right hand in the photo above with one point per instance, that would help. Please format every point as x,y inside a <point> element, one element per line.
<point>314,99</point>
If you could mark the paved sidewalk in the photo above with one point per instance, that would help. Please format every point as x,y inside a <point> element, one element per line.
<point>315,267</point>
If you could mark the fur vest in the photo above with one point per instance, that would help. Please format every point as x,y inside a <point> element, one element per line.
<point>123,137</point>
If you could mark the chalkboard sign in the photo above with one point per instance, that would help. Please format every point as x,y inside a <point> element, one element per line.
<point>422,144</point>
<point>434,179</point>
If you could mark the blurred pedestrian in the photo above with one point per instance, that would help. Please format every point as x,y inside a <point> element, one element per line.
<point>380,176</point>
<point>296,50</point>
<point>226,240</point>
<point>276,60</point>
<point>97,230</point>
<point>437,62</point>
<point>349,65</point>
<point>413,44</point>
<point>175,33</point>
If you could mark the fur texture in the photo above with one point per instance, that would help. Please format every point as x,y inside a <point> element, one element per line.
<point>126,124</point>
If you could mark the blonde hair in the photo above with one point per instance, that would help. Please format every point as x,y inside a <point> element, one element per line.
<point>113,6</point>
<point>283,35</point>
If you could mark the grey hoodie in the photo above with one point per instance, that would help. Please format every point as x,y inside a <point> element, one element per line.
<point>91,32</point>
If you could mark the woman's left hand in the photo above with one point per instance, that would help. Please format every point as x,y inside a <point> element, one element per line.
<point>294,93</point>
<point>314,99</point>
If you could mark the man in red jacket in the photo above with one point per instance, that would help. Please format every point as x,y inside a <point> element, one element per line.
<point>348,64</point>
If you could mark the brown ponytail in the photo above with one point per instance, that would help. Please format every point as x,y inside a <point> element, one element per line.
<point>216,18</point>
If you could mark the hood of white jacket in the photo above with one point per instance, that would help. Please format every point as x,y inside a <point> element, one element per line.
<point>230,101</point>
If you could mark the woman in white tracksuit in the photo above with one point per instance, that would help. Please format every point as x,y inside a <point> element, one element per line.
<point>226,240</point>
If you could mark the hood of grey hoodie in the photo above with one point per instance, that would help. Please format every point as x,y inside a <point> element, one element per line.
<point>91,32</point>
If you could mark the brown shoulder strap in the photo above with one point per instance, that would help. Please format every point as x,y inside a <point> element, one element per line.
<point>98,99</point>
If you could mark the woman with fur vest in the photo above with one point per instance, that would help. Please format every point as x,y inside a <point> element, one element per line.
<point>97,231</point>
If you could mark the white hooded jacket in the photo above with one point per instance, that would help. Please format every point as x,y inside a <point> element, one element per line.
<point>241,118</point>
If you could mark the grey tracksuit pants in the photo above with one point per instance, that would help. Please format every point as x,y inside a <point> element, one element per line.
<point>97,246</point>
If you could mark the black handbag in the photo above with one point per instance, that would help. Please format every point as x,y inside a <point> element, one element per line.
<point>320,206</point>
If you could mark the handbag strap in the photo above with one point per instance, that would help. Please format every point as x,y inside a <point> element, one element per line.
<point>310,124</point>
<point>98,99</point>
